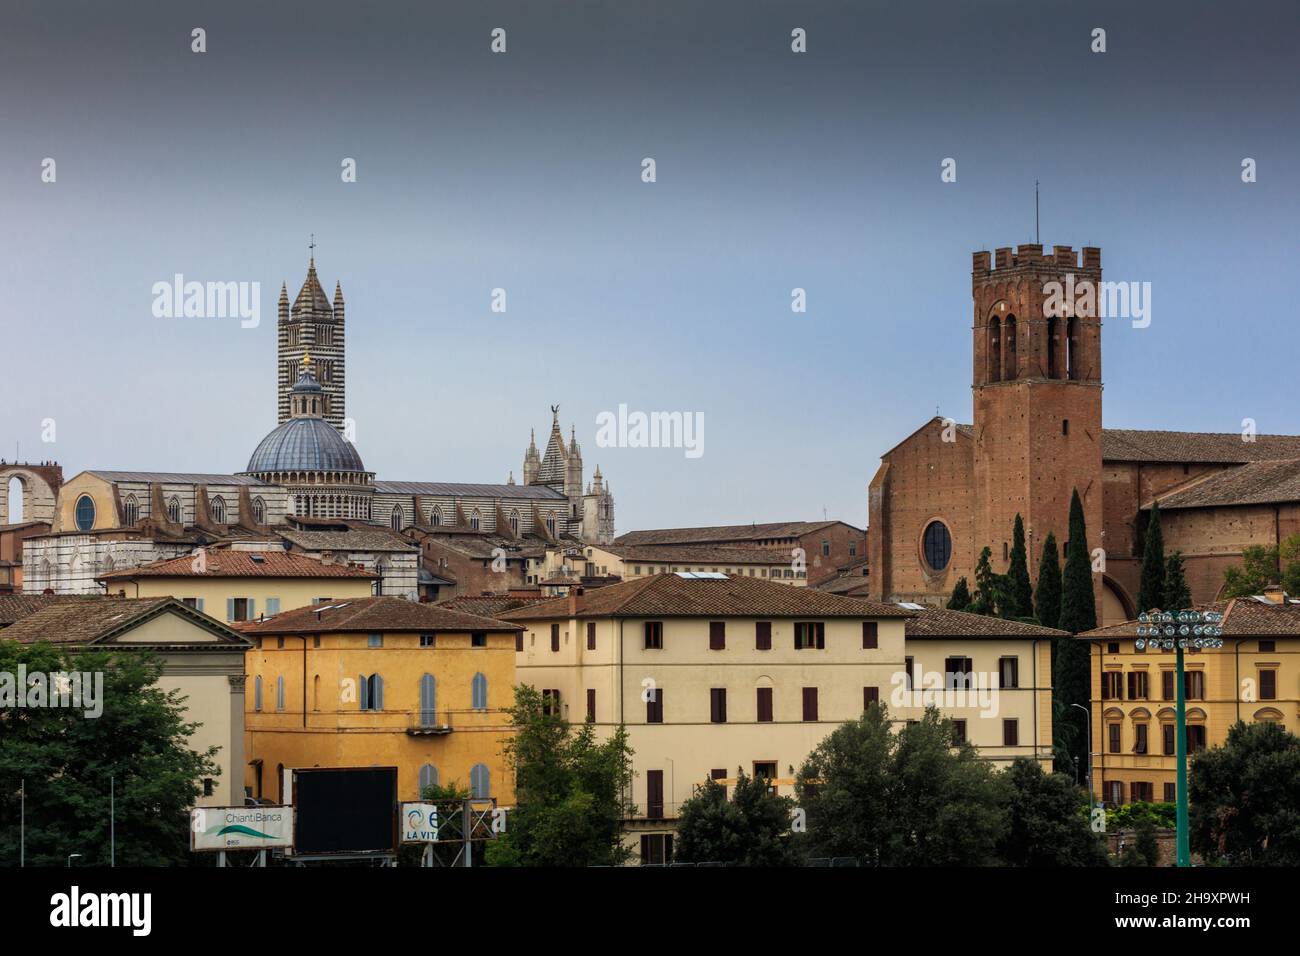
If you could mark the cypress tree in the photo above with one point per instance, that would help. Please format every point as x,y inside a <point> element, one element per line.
<point>1048,598</point>
<point>1178,596</point>
<point>1078,603</point>
<point>960,599</point>
<point>1151,592</point>
<point>1071,665</point>
<point>1022,592</point>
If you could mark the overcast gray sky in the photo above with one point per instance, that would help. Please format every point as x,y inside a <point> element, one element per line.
<point>523,171</point>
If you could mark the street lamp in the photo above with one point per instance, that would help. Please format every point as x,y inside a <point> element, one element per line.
<point>1088,724</point>
<point>73,856</point>
<point>1175,631</point>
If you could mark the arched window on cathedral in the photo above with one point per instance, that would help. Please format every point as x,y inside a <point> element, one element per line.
<point>995,350</point>
<point>474,519</point>
<point>218,510</point>
<point>514,522</point>
<point>550,523</point>
<point>435,517</point>
<point>1053,338</point>
<point>1072,349</point>
<point>174,509</point>
<point>396,519</point>
<point>130,510</point>
<point>1012,370</point>
<point>259,511</point>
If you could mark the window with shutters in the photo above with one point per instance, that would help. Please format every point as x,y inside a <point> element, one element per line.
<point>1195,738</point>
<point>1268,685</point>
<point>1167,685</point>
<point>718,705</point>
<point>1194,685</point>
<point>1267,647</point>
<point>1008,672</point>
<point>1112,685</point>
<point>654,800</point>
<point>428,701</point>
<point>809,635</point>
<point>763,636</point>
<point>656,849</point>
<point>428,778</point>
<point>957,673</point>
<point>591,704</point>
<point>1138,685</point>
<point>1114,731</point>
<point>1140,738</point>
<point>370,692</point>
<point>279,694</point>
<point>428,640</point>
<point>239,609</point>
<point>1010,732</point>
<point>870,635</point>
<point>870,695</point>
<point>717,635</point>
<point>1171,792</point>
<point>479,692</point>
<point>480,781</point>
<point>654,635</point>
<point>1116,788</point>
<point>1142,791</point>
<point>909,670</point>
<point>555,638</point>
<point>810,703</point>
<point>764,700</point>
<point>654,706</point>
<point>257,692</point>
<point>958,732</point>
<point>1168,740</point>
<point>765,769</point>
<point>591,635</point>
<point>551,702</point>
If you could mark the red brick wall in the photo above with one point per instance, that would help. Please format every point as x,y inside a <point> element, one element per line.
<point>822,567</point>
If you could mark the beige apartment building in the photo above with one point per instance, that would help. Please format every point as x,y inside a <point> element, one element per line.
<point>592,562</point>
<point>238,585</point>
<point>714,673</point>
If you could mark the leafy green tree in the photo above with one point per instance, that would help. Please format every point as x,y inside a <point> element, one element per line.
<point>909,798</point>
<point>1020,591</point>
<point>1151,592</point>
<point>1178,595</point>
<point>1245,797</point>
<point>1262,566</point>
<point>750,829</point>
<point>960,600</point>
<point>570,791</point>
<point>1047,820</point>
<point>1048,598</point>
<point>65,760</point>
<point>992,590</point>
<point>444,793</point>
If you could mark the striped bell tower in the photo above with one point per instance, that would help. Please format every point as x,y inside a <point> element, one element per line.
<point>312,324</point>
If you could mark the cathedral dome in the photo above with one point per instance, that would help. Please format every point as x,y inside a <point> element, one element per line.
<point>304,444</point>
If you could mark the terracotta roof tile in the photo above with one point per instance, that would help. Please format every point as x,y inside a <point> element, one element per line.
<point>241,564</point>
<point>697,554</point>
<point>15,607</point>
<point>375,614</point>
<point>941,622</point>
<point>90,618</point>
<point>1242,617</point>
<point>1255,483</point>
<point>671,595</point>
<point>723,533</point>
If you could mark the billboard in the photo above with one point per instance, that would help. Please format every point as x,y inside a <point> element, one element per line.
<point>420,823</point>
<point>240,828</point>
<point>345,810</point>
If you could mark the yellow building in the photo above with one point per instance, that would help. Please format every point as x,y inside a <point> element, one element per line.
<point>239,585</point>
<point>202,659</point>
<point>381,681</point>
<point>1255,675</point>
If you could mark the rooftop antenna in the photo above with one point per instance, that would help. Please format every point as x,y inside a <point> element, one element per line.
<point>1037,239</point>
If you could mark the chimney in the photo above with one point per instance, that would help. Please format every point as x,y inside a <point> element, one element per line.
<point>575,599</point>
<point>1275,593</point>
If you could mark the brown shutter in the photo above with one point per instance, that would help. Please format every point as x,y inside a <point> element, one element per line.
<point>821,635</point>
<point>591,635</point>
<point>591,703</point>
<point>810,703</point>
<point>870,635</point>
<point>765,704</point>
<point>1268,685</point>
<point>519,641</point>
<point>763,636</point>
<point>717,635</point>
<point>870,695</point>
<point>1010,732</point>
<point>555,637</point>
<point>654,782</point>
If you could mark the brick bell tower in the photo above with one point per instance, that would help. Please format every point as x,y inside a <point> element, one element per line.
<point>1037,397</point>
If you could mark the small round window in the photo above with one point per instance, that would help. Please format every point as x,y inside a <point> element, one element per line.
<point>85,513</point>
<point>937,546</point>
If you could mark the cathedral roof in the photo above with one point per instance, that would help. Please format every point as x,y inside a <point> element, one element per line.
<point>304,444</point>
<point>312,296</point>
<point>462,489</point>
<point>556,457</point>
<point>725,533</point>
<point>1254,483</point>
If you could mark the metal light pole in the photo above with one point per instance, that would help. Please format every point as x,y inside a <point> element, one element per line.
<point>112,822</point>
<point>22,822</point>
<point>1175,631</point>
<point>1088,715</point>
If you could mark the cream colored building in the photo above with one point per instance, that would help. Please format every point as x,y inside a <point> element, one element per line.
<point>629,562</point>
<point>203,660</point>
<point>240,585</point>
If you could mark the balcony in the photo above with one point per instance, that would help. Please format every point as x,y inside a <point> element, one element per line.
<point>428,723</point>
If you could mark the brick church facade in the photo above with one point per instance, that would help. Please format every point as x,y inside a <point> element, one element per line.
<point>951,489</point>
